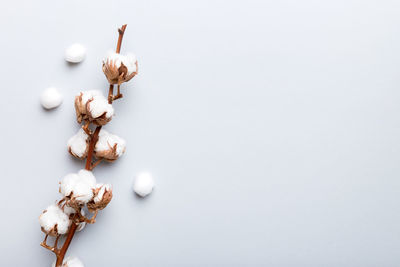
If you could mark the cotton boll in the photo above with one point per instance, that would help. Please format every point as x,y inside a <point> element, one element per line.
<point>75,53</point>
<point>102,196</point>
<point>109,146</point>
<point>51,98</point>
<point>92,106</point>
<point>129,61</point>
<point>70,262</point>
<point>78,187</point>
<point>120,68</point>
<point>54,221</point>
<point>78,144</point>
<point>143,184</point>
<point>103,188</point>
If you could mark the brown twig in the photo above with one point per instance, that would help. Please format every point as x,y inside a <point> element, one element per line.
<point>121,32</point>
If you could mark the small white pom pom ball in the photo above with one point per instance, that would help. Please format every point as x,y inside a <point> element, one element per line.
<point>51,98</point>
<point>75,53</point>
<point>143,184</point>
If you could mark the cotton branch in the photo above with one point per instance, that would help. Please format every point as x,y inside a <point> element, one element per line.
<point>81,189</point>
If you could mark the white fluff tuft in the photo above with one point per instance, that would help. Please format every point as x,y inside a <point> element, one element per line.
<point>51,98</point>
<point>128,60</point>
<point>143,184</point>
<point>75,53</point>
<point>78,143</point>
<point>78,186</point>
<point>70,262</point>
<point>107,141</point>
<point>53,216</point>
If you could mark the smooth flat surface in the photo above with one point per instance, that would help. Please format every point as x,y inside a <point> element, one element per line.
<point>272,129</point>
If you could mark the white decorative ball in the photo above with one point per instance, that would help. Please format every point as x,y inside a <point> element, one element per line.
<point>75,53</point>
<point>51,98</point>
<point>143,184</point>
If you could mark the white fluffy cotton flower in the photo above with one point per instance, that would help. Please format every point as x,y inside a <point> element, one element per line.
<point>78,187</point>
<point>70,262</point>
<point>102,196</point>
<point>75,53</point>
<point>143,184</point>
<point>128,60</point>
<point>92,106</point>
<point>103,188</point>
<point>119,68</point>
<point>51,98</point>
<point>109,146</point>
<point>78,144</point>
<point>54,221</point>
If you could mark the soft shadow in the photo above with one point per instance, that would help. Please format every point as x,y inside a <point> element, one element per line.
<point>149,196</point>
<point>71,64</point>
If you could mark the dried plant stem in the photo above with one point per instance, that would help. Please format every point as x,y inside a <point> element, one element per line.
<point>121,32</point>
<point>60,253</point>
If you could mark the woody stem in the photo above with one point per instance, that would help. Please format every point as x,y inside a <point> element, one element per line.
<point>121,32</point>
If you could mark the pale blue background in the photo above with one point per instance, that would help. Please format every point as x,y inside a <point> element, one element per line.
<point>272,129</point>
